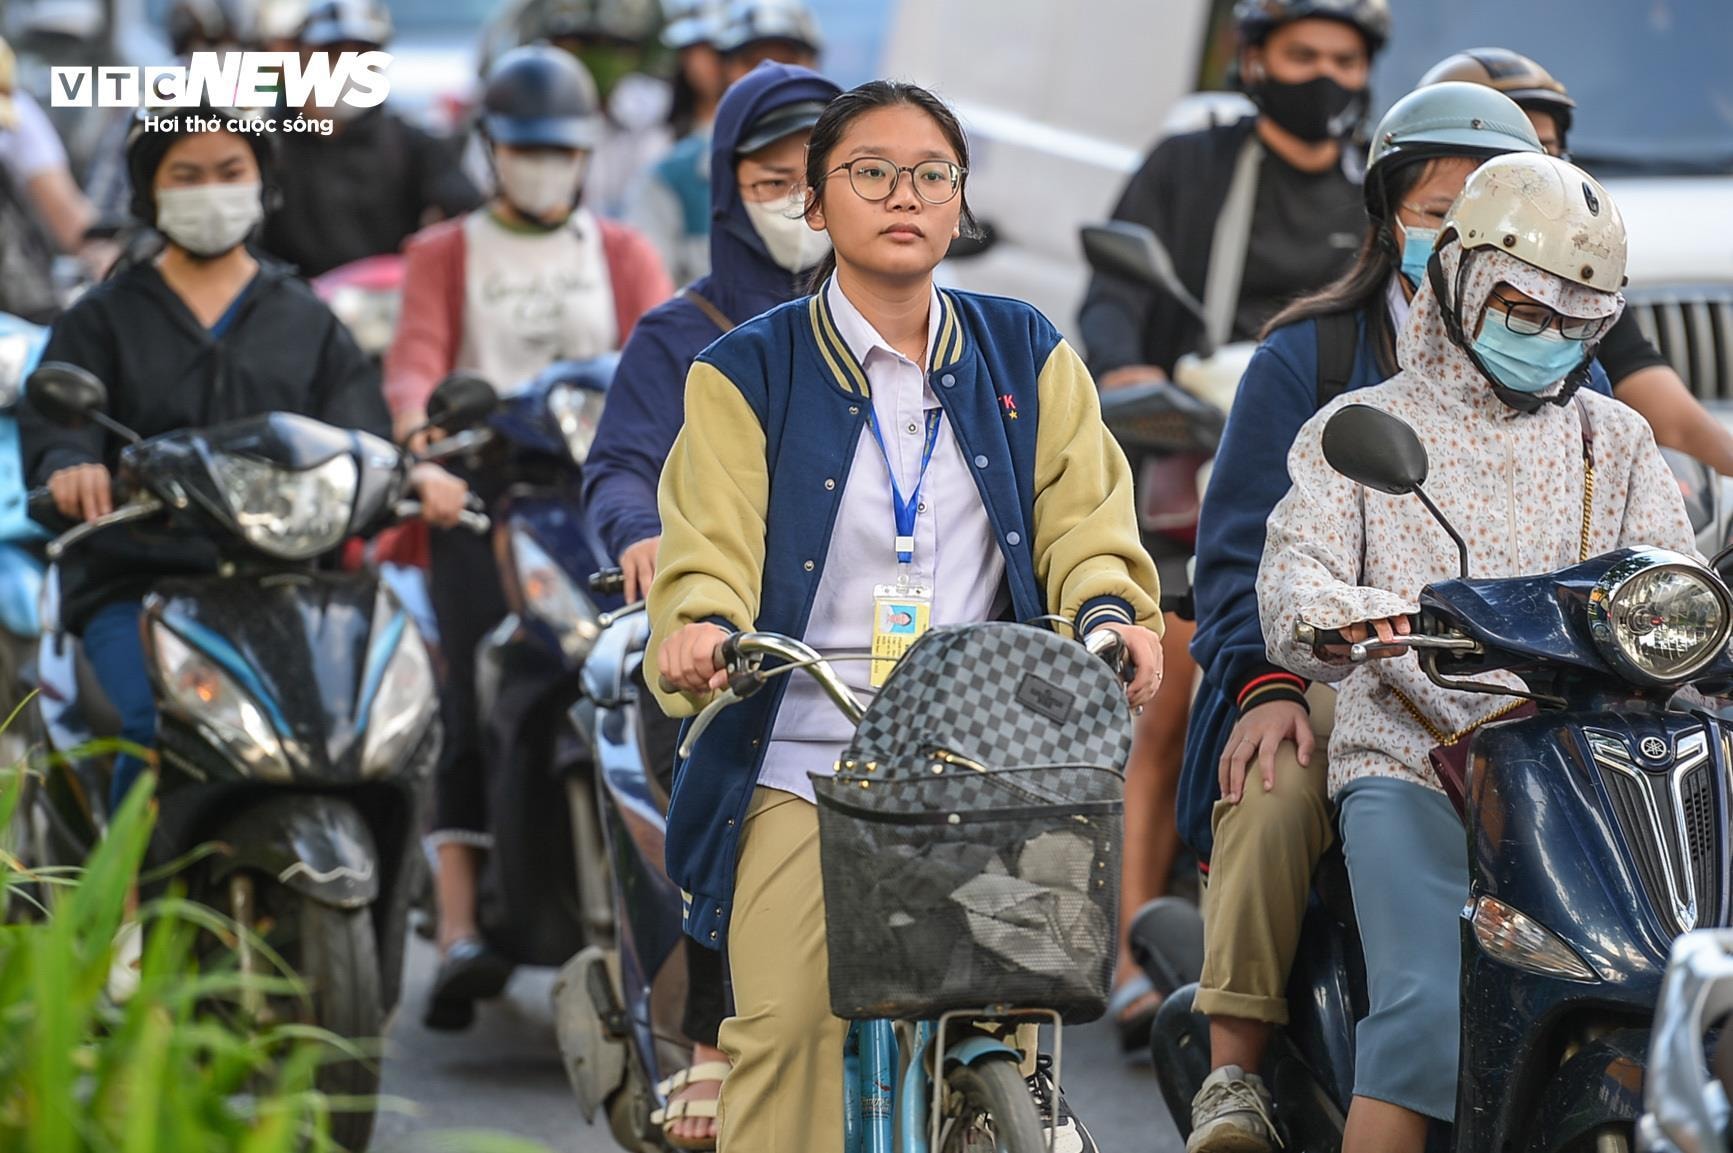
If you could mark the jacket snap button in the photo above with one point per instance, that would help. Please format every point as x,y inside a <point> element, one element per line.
<point>1013,538</point>
<point>731,822</point>
<point>829,483</point>
<point>948,380</point>
<point>854,410</point>
<point>808,566</point>
<point>713,934</point>
<point>980,462</point>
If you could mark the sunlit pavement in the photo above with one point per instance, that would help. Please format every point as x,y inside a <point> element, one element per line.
<point>504,1074</point>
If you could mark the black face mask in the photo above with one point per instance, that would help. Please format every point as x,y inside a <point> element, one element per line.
<point>1320,109</point>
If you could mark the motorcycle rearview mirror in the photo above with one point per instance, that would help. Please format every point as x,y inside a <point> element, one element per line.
<point>69,395</point>
<point>1383,452</point>
<point>462,400</point>
<point>1134,252</point>
<point>968,247</point>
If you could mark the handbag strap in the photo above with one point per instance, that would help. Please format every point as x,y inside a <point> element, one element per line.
<point>1432,730</point>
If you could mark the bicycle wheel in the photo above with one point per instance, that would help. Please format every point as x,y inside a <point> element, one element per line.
<point>988,1109</point>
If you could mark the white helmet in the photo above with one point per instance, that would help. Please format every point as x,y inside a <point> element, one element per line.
<point>1546,212</point>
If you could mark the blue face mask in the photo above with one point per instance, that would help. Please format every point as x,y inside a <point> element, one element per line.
<point>1416,251</point>
<point>1523,363</point>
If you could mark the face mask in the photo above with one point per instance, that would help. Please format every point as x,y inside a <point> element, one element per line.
<point>540,184</point>
<point>1416,252</point>
<point>791,243</point>
<point>208,220</point>
<point>1320,109</point>
<point>1530,364</point>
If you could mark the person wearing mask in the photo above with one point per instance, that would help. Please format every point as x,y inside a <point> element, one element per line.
<point>1252,803</point>
<point>1254,214</point>
<point>1641,375</point>
<point>762,254</point>
<point>526,280</point>
<point>1522,283</point>
<point>206,332</point>
<point>1036,516</point>
<point>368,186</point>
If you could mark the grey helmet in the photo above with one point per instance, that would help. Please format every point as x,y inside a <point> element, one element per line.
<point>346,22</point>
<point>755,21</point>
<point>1256,19</point>
<point>1512,73</point>
<point>1448,119</point>
<point>691,22</point>
<point>623,21</point>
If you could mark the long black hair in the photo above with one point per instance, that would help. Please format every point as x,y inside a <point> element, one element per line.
<point>1364,284</point>
<point>851,106</point>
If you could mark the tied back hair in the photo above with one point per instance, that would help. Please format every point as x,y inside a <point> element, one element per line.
<point>843,111</point>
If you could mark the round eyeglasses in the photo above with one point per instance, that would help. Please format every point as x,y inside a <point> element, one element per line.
<point>1529,318</point>
<point>874,178</point>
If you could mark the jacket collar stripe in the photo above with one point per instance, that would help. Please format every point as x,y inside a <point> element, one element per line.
<point>836,353</point>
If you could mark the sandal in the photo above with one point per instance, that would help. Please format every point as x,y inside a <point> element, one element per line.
<point>1132,1008</point>
<point>683,1109</point>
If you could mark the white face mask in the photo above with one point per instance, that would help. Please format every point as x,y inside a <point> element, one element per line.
<point>540,184</point>
<point>208,219</point>
<point>792,244</point>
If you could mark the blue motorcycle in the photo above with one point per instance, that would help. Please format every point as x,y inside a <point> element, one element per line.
<point>21,562</point>
<point>1598,832</point>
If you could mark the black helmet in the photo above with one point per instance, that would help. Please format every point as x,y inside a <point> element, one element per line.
<point>1512,73</point>
<point>541,97</point>
<point>191,22</point>
<point>1258,18</point>
<point>146,146</point>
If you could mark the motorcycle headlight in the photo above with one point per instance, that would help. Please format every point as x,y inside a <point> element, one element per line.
<point>369,315</point>
<point>404,699</point>
<point>577,411</point>
<point>1658,617</point>
<point>550,596</point>
<point>289,514</point>
<point>1517,939</point>
<point>222,710</point>
<point>14,355</point>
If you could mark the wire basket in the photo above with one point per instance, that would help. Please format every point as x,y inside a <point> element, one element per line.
<point>952,887</point>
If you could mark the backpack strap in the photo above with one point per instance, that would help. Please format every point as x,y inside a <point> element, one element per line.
<point>1338,349</point>
<point>716,315</point>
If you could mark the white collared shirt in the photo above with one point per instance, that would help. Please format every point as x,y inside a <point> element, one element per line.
<point>956,553</point>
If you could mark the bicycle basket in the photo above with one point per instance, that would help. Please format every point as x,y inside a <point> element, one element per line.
<point>970,839</point>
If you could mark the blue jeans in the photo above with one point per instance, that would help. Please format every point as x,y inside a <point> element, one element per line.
<point>115,650</point>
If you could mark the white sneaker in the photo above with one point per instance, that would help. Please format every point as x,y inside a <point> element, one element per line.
<point>1233,1113</point>
<point>124,965</point>
<point>1059,1124</point>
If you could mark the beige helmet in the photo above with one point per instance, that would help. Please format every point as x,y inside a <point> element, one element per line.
<point>1546,212</point>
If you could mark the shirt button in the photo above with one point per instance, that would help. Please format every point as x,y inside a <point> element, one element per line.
<point>922,507</point>
<point>829,483</point>
<point>809,563</point>
<point>1013,538</point>
<point>948,380</point>
<point>980,462</point>
<point>913,428</point>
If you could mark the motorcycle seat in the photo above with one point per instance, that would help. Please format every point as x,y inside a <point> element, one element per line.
<point>1330,883</point>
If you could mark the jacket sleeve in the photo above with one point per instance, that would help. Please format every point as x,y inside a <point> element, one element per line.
<point>424,347</point>
<point>1275,398</point>
<point>1311,566</point>
<point>640,281</point>
<point>81,336</point>
<point>1088,553</point>
<point>349,384</point>
<point>1118,316</point>
<point>636,435</point>
<point>714,495</point>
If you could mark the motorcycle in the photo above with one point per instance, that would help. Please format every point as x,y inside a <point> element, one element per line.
<point>544,891</point>
<point>297,717</point>
<point>1616,773</point>
<point>1687,1108</point>
<point>617,1005</point>
<point>366,295</point>
<point>21,563</point>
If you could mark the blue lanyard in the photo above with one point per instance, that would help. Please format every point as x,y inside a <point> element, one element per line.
<point>905,508</point>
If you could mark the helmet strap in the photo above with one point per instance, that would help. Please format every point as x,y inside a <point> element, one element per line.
<point>1449,304</point>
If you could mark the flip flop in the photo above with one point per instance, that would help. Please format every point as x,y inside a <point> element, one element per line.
<point>683,1109</point>
<point>1134,1029</point>
<point>469,972</point>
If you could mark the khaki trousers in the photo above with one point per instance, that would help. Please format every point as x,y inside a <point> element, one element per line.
<point>1266,848</point>
<point>784,1092</point>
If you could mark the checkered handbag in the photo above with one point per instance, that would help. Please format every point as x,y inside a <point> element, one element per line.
<point>970,838</point>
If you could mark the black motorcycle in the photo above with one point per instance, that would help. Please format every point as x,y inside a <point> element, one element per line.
<point>1598,831</point>
<point>296,703</point>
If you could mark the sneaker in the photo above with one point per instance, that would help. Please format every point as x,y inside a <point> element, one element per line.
<point>1233,1113</point>
<point>1058,1123</point>
<point>125,962</point>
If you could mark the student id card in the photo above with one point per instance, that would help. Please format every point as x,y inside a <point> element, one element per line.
<point>901,614</point>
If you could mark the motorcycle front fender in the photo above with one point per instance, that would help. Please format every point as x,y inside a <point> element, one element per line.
<point>317,846</point>
<point>1601,1086</point>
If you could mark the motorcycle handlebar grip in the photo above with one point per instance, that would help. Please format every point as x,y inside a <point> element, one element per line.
<point>608,582</point>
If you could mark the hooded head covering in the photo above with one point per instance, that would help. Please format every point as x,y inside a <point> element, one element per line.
<point>1425,346</point>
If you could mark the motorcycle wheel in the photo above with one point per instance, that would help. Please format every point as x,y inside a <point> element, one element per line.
<point>988,1107</point>
<point>338,958</point>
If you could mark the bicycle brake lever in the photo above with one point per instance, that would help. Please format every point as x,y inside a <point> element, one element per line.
<point>711,711</point>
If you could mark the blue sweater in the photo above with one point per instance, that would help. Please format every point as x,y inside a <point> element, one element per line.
<point>646,404</point>
<point>1277,395</point>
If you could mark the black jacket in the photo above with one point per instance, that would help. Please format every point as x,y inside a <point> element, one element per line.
<point>283,352</point>
<point>1178,193</point>
<point>362,191</point>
